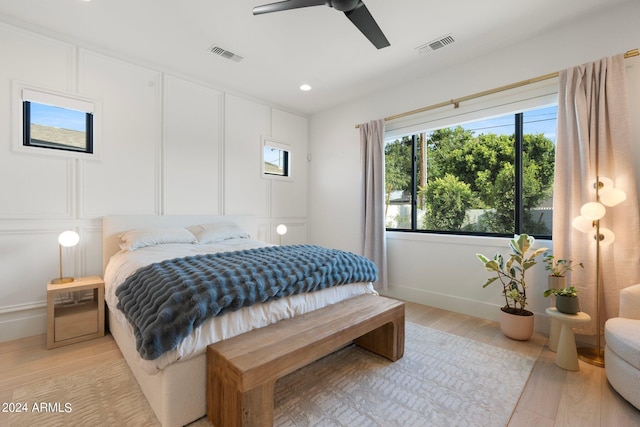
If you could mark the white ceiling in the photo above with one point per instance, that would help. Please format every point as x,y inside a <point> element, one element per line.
<point>316,45</point>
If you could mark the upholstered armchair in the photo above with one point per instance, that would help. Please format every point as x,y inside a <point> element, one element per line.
<point>622,350</point>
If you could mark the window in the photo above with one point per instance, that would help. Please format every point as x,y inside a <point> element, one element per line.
<point>49,126</point>
<point>54,123</point>
<point>490,176</point>
<point>276,159</point>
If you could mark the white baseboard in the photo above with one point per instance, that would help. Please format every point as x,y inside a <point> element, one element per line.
<point>459,305</point>
<point>22,321</point>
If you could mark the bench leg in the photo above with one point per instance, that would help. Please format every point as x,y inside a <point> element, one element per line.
<point>229,407</point>
<point>387,340</point>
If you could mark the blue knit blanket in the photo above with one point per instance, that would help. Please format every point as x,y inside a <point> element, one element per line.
<point>165,301</point>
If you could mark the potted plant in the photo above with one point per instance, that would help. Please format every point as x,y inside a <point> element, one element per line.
<point>558,270</point>
<point>515,320</point>
<point>566,299</point>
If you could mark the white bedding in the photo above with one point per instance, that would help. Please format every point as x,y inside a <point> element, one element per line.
<point>125,263</point>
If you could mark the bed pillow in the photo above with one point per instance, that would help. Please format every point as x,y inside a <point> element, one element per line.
<point>218,231</point>
<point>141,237</point>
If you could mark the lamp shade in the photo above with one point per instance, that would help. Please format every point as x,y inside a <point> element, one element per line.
<point>593,210</point>
<point>582,223</point>
<point>281,229</point>
<point>612,196</point>
<point>68,238</point>
<point>604,183</point>
<point>607,236</point>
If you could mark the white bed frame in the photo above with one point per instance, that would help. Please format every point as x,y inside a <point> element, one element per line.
<point>177,394</point>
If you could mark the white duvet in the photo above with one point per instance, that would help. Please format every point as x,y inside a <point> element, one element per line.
<point>125,263</point>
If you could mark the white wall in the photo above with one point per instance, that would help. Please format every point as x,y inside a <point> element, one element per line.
<point>442,270</point>
<point>170,145</point>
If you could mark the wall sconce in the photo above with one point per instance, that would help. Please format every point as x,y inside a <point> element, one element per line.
<point>67,239</point>
<point>589,222</point>
<point>281,230</point>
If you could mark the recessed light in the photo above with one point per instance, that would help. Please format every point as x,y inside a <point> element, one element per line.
<point>305,87</point>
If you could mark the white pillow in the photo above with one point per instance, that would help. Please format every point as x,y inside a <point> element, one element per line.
<point>218,231</point>
<point>139,238</point>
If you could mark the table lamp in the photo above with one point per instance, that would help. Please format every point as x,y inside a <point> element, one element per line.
<point>67,239</point>
<point>281,230</point>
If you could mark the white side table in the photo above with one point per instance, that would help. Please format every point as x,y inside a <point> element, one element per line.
<point>561,338</point>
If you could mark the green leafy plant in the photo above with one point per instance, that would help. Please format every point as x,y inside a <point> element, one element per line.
<point>560,267</point>
<point>565,292</point>
<point>511,273</point>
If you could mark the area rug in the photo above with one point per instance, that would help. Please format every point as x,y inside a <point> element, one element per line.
<point>442,380</point>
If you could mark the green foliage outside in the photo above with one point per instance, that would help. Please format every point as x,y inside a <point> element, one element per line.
<point>466,172</point>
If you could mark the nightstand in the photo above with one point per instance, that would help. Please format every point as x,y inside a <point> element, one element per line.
<point>75,311</point>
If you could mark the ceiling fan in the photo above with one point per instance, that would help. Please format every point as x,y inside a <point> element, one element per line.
<point>355,10</point>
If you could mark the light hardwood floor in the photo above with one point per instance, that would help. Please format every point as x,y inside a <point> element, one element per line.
<point>552,396</point>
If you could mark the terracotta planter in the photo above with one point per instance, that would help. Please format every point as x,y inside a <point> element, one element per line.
<point>557,282</point>
<point>567,305</point>
<point>515,326</point>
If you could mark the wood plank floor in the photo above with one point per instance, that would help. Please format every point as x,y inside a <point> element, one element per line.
<point>552,396</point>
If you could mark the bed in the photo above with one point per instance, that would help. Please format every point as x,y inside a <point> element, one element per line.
<point>175,382</point>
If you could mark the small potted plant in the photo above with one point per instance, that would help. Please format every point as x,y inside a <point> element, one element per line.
<point>516,321</point>
<point>558,270</point>
<point>566,299</point>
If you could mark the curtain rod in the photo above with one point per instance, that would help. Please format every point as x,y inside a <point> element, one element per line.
<point>456,102</point>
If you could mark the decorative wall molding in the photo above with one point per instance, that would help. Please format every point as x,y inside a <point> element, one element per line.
<point>138,173</point>
<point>22,320</point>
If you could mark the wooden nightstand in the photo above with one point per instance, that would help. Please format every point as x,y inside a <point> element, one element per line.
<point>75,311</point>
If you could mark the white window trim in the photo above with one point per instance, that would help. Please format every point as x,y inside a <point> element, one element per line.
<point>21,92</point>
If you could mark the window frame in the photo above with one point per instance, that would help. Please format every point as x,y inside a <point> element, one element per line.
<point>28,140</point>
<point>288,159</point>
<point>544,95</point>
<point>23,95</point>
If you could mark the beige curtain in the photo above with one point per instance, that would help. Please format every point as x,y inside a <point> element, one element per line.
<point>372,157</point>
<point>594,139</point>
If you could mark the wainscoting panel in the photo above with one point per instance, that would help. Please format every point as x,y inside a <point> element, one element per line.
<point>33,185</point>
<point>169,145</point>
<point>245,191</point>
<point>126,179</point>
<point>191,148</point>
<point>289,197</point>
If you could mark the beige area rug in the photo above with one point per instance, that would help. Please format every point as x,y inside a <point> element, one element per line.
<point>442,380</point>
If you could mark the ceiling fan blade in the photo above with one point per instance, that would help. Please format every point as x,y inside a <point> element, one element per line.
<point>362,19</point>
<point>286,5</point>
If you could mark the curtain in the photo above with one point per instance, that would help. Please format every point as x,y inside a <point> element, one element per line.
<point>594,139</point>
<point>372,157</point>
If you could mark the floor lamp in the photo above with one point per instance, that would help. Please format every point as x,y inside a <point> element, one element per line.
<point>589,222</point>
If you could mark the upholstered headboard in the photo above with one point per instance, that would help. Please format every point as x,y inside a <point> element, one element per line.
<point>114,225</point>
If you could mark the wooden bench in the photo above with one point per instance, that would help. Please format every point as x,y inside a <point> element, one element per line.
<point>242,371</point>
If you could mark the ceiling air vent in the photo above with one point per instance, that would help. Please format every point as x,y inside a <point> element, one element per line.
<point>436,44</point>
<point>225,53</point>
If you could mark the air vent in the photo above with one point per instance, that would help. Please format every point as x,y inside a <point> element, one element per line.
<point>436,44</point>
<point>225,53</point>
